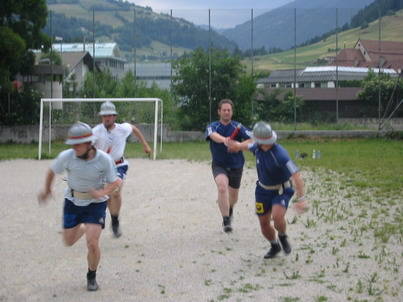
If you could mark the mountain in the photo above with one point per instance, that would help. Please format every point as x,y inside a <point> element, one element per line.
<point>276,27</point>
<point>130,25</point>
<point>314,54</point>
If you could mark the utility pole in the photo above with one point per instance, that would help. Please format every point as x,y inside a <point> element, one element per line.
<point>295,69</point>
<point>93,52</point>
<point>209,60</point>
<point>337,65</point>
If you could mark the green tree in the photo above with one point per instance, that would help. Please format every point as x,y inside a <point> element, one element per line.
<point>105,86</point>
<point>388,88</point>
<point>228,78</point>
<point>277,107</point>
<point>21,23</point>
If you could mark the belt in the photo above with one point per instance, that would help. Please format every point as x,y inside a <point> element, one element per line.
<point>119,161</point>
<point>81,195</point>
<point>279,187</point>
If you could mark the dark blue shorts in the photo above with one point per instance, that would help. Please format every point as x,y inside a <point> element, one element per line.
<point>122,171</point>
<point>74,215</point>
<point>265,199</point>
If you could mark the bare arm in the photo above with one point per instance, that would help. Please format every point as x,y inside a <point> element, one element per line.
<point>44,195</point>
<point>301,205</point>
<point>136,131</point>
<point>108,189</point>
<point>235,146</point>
<point>218,138</point>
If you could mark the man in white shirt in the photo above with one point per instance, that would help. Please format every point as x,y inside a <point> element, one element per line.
<point>91,177</point>
<point>111,137</point>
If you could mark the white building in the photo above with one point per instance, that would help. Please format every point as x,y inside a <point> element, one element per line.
<point>150,73</point>
<point>106,55</point>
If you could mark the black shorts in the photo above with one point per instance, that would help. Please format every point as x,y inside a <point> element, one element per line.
<point>234,174</point>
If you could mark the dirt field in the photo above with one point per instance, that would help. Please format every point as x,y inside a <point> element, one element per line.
<point>173,248</point>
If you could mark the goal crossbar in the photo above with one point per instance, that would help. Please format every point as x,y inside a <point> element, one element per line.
<point>158,108</point>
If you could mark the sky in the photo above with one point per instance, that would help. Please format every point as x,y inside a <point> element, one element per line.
<point>224,13</point>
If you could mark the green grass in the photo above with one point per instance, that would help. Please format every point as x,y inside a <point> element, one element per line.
<point>307,55</point>
<point>366,163</point>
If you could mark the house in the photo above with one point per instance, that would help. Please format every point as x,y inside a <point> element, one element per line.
<point>316,86</point>
<point>317,77</point>
<point>150,73</point>
<point>45,77</point>
<point>372,54</point>
<point>77,65</point>
<point>106,55</point>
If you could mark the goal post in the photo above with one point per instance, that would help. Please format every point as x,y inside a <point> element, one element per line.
<point>157,121</point>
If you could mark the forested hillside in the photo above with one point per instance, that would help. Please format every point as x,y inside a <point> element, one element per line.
<point>127,24</point>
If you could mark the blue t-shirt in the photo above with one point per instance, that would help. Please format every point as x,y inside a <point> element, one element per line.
<point>274,166</point>
<point>219,151</point>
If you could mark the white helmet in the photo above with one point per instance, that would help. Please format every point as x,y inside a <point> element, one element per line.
<point>263,134</point>
<point>108,108</point>
<point>79,133</point>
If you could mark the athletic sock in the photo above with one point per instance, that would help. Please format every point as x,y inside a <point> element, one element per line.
<point>273,242</point>
<point>226,220</point>
<point>115,219</point>
<point>91,274</point>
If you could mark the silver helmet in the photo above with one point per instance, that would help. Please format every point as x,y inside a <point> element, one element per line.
<point>108,108</point>
<point>263,134</point>
<point>79,133</point>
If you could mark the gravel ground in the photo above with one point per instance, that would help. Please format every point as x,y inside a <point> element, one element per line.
<point>173,248</point>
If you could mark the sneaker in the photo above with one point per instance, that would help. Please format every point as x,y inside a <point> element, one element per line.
<point>285,244</point>
<point>92,285</point>
<point>116,229</point>
<point>226,224</point>
<point>274,250</point>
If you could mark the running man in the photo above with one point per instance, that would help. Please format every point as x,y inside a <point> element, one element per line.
<point>111,137</point>
<point>226,167</point>
<point>277,178</point>
<point>91,177</point>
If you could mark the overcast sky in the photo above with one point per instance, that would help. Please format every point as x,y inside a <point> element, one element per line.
<point>225,13</point>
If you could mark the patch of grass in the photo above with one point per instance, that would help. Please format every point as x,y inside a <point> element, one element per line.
<point>374,163</point>
<point>321,299</point>
<point>362,255</point>
<point>386,230</point>
<point>248,287</point>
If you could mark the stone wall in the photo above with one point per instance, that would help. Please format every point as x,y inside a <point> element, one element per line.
<point>30,134</point>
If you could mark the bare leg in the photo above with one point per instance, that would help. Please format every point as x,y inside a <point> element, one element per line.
<point>279,218</point>
<point>115,203</point>
<point>267,230</point>
<point>221,181</point>
<point>233,196</point>
<point>92,234</point>
<point>70,236</point>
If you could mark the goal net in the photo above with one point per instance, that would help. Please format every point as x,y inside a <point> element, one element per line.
<point>57,115</point>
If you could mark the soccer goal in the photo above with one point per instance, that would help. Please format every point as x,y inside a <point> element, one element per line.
<point>57,114</point>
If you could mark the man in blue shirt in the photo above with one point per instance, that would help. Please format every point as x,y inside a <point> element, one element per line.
<point>226,167</point>
<point>277,177</point>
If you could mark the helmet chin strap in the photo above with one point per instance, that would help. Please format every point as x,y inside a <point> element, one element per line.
<point>87,153</point>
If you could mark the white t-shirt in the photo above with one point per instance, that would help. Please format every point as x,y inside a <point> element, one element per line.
<point>84,175</point>
<point>112,142</point>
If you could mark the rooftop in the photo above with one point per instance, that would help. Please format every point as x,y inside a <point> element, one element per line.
<point>102,50</point>
<point>323,73</point>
